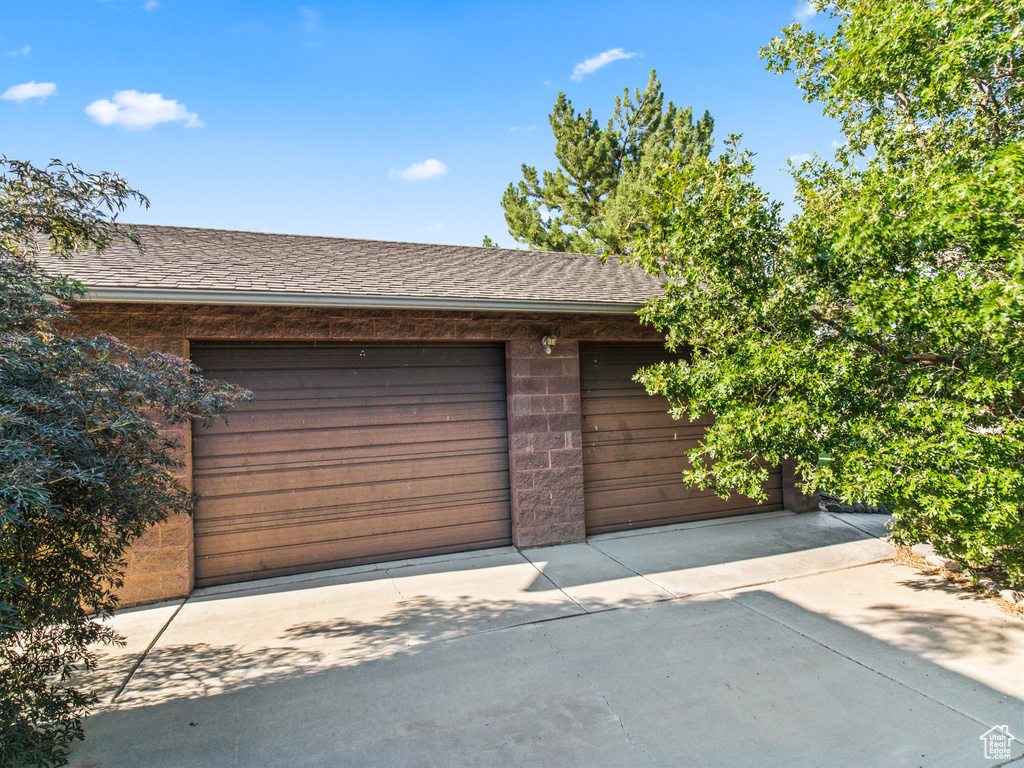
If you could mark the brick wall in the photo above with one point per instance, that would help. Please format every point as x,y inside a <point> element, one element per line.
<point>545,445</point>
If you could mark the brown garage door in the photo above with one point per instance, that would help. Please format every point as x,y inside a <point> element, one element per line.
<point>633,449</point>
<point>350,454</point>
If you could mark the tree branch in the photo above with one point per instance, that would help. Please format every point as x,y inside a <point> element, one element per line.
<point>875,346</point>
<point>883,351</point>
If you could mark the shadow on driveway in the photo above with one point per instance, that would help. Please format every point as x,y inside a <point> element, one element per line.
<point>745,679</point>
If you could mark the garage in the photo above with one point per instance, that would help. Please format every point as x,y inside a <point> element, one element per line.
<point>409,401</point>
<point>350,454</point>
<point>633,449</point>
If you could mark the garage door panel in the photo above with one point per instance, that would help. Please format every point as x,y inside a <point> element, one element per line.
<point>318,527</point>
<point>336,540</point>
<point>634,451</point>
<point>356,383</point>
<point>620,494</point>
<point>658,466</point>
<point>325,439</point>
<point>635,455</point>
<point>612,404</point>
<point>627,459</point>
<point>708,506</point>
<point>273,558</point>
<point>213,465</point>
<point>667,513</point>
<point>622,444</point>
<point>396,450</point>
<point>344,475</point>
<point>461,509</point>
<point>279,561</point>
<point>401,490</point>
<point>623,492</point>
<point>325,417</point>
<point>604,443</point>
<point>638,421</point>
<point>641,449</point>
<point>331,357</point>
<point>296,397</point>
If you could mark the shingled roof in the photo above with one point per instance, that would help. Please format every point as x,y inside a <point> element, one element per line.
<point>185,264</point>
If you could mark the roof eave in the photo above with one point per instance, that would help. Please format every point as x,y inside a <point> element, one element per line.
<point>294,299</point>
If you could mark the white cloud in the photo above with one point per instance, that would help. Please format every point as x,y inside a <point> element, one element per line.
<point>804,11</point>
<point>151,5</point>
<point>428,169</point>
<point>521,128</point>
<point>803,157</point>
<point>134,110</point>
<point>31,90</point>
<point>310,20</point>
<point>25,50</point>
<point>435,227</point>
<point>594,63</point>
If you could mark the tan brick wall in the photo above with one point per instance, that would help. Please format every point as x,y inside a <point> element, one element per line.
<point>543,397</point>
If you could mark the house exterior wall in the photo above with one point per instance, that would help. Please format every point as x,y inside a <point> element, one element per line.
<point>545,442</point>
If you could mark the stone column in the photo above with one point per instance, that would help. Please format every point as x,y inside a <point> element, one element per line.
<point>545,443</point>
<point>161,562</point>
<point>792,498</point>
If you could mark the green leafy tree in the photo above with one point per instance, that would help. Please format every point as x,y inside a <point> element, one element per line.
<point>883,325</point>
<point>83,467</point>
<point>593,202</point>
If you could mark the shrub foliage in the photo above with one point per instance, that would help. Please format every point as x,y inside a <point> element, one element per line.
<point>84,468</point>
<point>883,324</point>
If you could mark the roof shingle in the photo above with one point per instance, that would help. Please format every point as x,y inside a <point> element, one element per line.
<point>185,260</point>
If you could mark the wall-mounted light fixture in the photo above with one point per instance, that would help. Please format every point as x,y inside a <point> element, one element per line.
<point>548,342</point>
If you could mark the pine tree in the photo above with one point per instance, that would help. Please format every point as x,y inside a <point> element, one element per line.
<point>592,202</point>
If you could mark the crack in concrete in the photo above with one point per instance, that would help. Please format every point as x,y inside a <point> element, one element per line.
<point>604,697</point>
<point>394,584</point>
<point>238,735</point>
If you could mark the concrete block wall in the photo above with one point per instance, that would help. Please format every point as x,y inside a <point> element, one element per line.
<point>793,498</point>
<point>545,446</point>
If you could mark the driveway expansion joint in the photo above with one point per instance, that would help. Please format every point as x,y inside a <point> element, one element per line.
<point>580,605</point>
<point>662,587</point>
<point>841,519</point>
<point>859,663</point>
<point>145,653</point>
<point>671,598</point>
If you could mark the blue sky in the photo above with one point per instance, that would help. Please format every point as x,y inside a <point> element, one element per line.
<point>386,120</point>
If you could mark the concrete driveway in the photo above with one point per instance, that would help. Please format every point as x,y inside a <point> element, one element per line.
<point>773,640</point>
